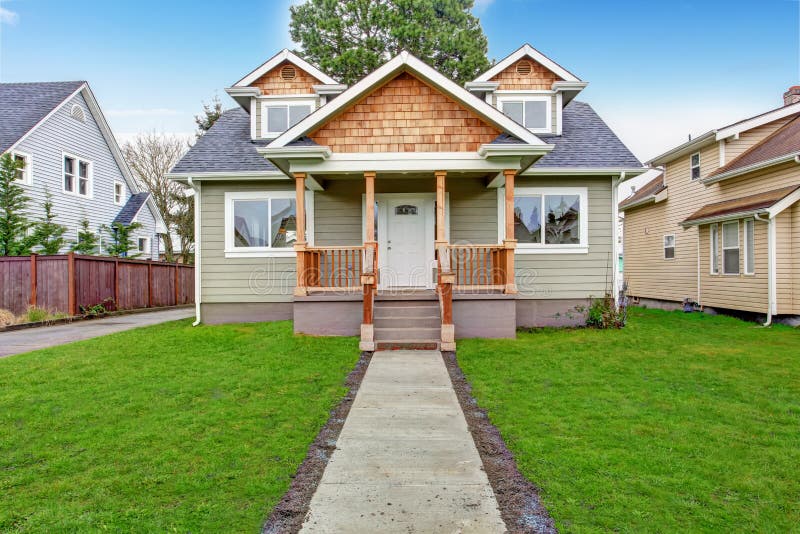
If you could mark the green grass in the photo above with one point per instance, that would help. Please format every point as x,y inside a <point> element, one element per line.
<point>165,428</point>
<point>676,423</point>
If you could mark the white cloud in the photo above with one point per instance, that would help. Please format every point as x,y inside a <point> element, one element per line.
<point>153,112</point>
<point>8,17</point>
<point>481,6</point>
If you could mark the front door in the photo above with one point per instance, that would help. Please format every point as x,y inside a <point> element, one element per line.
<point>408,243</point>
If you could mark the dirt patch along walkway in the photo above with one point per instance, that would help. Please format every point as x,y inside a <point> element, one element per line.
<point>405,459</point>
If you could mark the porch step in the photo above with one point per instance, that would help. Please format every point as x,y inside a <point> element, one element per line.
<point>407,345</point>
<point>413,333</point>
<point>407,321</point>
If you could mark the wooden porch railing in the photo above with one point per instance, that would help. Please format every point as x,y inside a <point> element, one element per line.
<point>479,267</point>
<point>332,268</point>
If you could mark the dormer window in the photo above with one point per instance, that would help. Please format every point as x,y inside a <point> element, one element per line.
<point>533,112</point>
<point>279,116</point>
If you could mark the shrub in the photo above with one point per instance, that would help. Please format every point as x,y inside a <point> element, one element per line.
<point>6,318</point>
<point>602,313</point>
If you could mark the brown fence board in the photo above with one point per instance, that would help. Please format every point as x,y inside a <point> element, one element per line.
<point>129,283</point>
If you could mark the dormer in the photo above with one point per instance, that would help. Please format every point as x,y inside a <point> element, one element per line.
<point>282,92</point>
<point>530,88</point>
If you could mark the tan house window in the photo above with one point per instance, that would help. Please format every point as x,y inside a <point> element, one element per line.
<point>714,239</point>
<point>695,166</point>
<point>730,247</point>
<point>749,247</point>
<point>669,247</point>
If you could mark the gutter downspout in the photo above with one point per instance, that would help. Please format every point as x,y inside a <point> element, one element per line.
<point>699,301</point>
<point>772,265</point>
<point>615,237</point>
<point>197,277</point>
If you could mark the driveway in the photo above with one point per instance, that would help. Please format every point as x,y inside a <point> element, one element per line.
<point>26,340</point>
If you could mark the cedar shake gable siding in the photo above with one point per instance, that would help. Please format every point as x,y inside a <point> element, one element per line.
<point>540,77</point>
<point>271,83</point>
<point>405,115</point>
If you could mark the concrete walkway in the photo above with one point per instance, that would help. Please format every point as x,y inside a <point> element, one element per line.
<point>28,339</point>
<point>405,460</point>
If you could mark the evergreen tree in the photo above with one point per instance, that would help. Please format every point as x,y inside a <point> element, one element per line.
<point>350,38</point>
<point>120,240</point>
<point>14,225</point>
<point>211,112</point>
<point>47,234</point>
<point>87,240</point>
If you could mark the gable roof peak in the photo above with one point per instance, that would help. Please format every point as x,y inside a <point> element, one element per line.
<point>526,50</point>
<point>284,55</point>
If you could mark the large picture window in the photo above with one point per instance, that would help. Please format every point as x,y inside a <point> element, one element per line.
<point>260,222</point>
<point>550,219</point>
<point>280,116</point>
<point>730,247</point>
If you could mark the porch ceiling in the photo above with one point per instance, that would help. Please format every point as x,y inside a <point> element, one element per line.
<point>407,175</point>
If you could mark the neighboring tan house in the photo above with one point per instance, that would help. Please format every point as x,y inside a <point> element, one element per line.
<point>406,207</point>
<point>721,225</point>
<point>58,132</point>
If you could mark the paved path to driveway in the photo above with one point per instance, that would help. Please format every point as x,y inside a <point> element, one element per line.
<point>28,339</point>
<point>405,460</point>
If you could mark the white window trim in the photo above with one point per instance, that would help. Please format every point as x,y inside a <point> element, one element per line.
<point>121,195</point>
<point>746,240</point>
<point>27,173</point>
<point>544,248</point>
<point>737,247</point>
<point>231,251</point>
<point>284,100</point>
<point>525,97</point>
<point>674,246</point>
<point>89,186</point>
<point>714,230</point>
<point>147,249</point>
<point>691,167</point>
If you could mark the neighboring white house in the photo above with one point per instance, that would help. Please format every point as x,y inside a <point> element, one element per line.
<point>58,132</point>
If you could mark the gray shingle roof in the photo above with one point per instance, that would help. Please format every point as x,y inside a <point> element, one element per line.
<point>586,141</point>
<point>131,208</point>
<point>23,105</point>
<point>226,147</point>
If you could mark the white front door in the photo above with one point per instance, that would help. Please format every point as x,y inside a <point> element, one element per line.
<point>406,244</point>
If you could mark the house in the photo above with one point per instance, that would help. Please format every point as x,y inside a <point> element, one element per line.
<point>58,132</point>
<point>720,225</point>
<point>406,207</point>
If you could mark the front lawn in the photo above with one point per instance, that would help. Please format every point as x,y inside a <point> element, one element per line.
<point>165,428</point>
<point>676,423</point>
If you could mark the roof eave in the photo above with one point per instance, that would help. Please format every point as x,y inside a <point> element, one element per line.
<point>684,149</point>
<point>519,53</point>
<point>630,172</point>
<point>727,216</point>
<point>752,168</point>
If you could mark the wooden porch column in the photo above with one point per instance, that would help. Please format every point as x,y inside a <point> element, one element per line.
<point>301,287</point>
<point>441,235</point>
<point>509,242</point>
<point>369,275</point>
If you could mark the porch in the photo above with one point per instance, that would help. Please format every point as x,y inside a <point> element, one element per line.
<point>406,273</point>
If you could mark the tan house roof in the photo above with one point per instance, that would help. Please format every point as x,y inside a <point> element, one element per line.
<point>742,205</point>
<point>784,142</point>
<point>646,193</point>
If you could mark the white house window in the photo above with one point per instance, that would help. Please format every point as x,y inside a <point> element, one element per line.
<point>260,223</point>
<point>749,247</point>
<point>695,166</point>
<point>532,112</point>
<point>24,170</point>
<point>547,219</point>
<point>77,176</point>
<point>669,247</point>
<point>143,245</point>
<point>730,247</point>
<point>280,116</point>
<point>714,239</point>
<point>119,193</point>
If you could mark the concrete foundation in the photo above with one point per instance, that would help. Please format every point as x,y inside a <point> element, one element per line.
<point>488,316</point>
<point>556,313</point>
<point>328,316</point>
<point>245,312</point>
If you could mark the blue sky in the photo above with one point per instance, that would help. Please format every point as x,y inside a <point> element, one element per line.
<point>658,71</point>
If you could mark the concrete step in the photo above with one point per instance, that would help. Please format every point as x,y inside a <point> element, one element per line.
<point>415,321</point>
<point>407,334</point>
<point>407,311</point>
<point>406,303</point>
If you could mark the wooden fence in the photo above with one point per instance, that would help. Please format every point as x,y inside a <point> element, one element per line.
<point>64,283</point>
